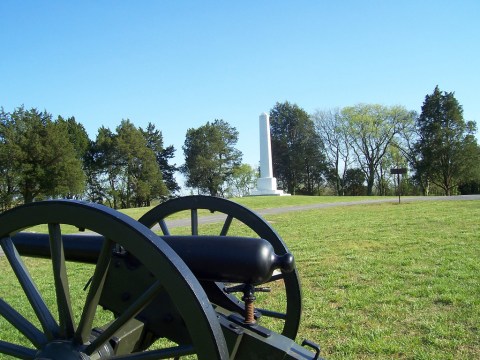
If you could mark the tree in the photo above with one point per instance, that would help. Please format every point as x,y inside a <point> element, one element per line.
<point>447,149</point>
<point>354,182</point>
<point>210,156</point>
<point>122,169</point>
<point>104,168</point>
<point>95,190</point>
<point>163,155</point>
<point>42,162</point>
<point>141,178</point>
<point>297,158</point>
<point>371,129</point>
<point>406,144</point>
<point>8,175</point>
<point>470,183</point>
<point>393,158</point>
<point>77,135</point>
<point>332,130</point>
<point>242,181</point>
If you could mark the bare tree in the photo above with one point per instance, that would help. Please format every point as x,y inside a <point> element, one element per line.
<point>331,128</point>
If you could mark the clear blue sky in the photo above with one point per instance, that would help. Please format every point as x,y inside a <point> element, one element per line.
<point>180,64</point>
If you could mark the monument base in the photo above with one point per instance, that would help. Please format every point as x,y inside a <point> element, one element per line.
<point>267,186</point>
<point>268,193</point>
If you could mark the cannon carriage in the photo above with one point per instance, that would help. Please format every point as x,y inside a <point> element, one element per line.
<point>169,296</point>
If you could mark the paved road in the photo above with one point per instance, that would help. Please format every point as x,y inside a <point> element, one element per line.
<point>221,217</point>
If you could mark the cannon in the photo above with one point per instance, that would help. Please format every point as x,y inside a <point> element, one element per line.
<point>149,293</point>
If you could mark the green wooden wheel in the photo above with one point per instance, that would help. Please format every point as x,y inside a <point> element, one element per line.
<point>232,211</point>
<point>59,336</point>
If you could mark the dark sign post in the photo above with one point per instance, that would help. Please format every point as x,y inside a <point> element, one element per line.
<point>398,172</point>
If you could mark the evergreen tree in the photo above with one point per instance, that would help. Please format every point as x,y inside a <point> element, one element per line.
<point>210,156</point>
<point>77,135</point>
<point>163,155</point>
<point>354,182</point>
<point>95,191</point>
<point>141,177</point>
<point>42,161</point>
<point>105,168</point>
<point>9,191</point>
<point>297,158</point>
<point>446,147</point>
<point>122,169</point>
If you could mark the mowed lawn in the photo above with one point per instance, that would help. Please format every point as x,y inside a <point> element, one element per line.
<point>380,281</point>
<point>389,281</point>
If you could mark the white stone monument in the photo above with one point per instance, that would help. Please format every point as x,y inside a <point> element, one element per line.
<point>266,184</point>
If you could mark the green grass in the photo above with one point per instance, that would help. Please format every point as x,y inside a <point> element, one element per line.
<point>268,202</point>
<point>389,280</point>
<point>380,281</point>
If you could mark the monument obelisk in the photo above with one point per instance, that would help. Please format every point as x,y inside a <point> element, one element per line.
<point>266,184</point>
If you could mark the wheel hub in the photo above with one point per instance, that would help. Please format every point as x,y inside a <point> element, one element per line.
<point>61,350</point>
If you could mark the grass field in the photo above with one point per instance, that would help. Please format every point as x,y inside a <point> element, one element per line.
<point>390,281</point>
<point>380,281</point>
<point>268,202</point>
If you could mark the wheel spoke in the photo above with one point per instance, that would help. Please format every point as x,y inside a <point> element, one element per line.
<point>167,353</point>
<point>21,324</point>
<point>272,314</point>
<point>85,326</point>
<point>194,214</point>
<point>127,315</point>
<point>65,312</point>
<point>163,226</point>
<point>226,225</point>
<point>49,325</point>
<point>17,351</point>
<point>154,255</point>
<point>275,277</point>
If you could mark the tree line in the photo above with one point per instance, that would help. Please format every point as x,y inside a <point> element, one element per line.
<point>348,151</point>
<point>351,151</point>
<point>42,157</point>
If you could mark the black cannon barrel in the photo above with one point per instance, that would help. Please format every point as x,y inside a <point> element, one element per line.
<point>80,248</point>
<point>210,258</point>
<point>230,259</point>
